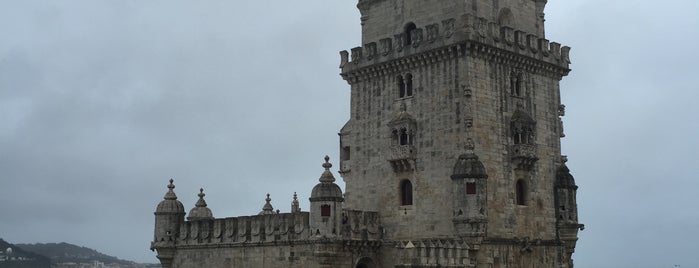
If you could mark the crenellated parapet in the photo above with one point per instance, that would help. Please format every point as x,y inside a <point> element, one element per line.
<point>273,228</point>
<point>246,229</point>
<point>453,38</point>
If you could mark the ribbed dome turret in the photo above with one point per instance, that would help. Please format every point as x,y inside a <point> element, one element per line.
<point>468,166</point>
<point>326,190</point>
<point>564,179</point>
<point>200,211</point>
<point>170,204</point>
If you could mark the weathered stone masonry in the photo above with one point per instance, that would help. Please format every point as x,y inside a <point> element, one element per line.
<point>451,156</point>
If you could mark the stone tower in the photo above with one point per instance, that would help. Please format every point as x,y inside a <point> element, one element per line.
<point>169,216</point>
<point>454,133</point>
<point>451,156</point>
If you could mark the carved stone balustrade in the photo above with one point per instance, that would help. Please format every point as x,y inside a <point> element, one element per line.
<point>523,155</point>
<point>402,157</point>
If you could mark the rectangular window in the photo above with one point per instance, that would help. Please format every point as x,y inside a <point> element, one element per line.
<point>325,210</point>
<point>470,188</point>
<point>345,153</point>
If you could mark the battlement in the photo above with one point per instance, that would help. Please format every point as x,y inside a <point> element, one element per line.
<point>245,229</point>
<point>468,33</point>
<point>280,227</point>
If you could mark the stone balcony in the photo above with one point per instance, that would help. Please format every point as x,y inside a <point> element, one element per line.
<point>402,157</point>
<point>523,155</point>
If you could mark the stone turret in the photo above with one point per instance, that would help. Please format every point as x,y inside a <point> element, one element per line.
<point>326,204</point>
<point>470,189</point>
<point>567,225</point>
<point>169,216</point>
<point>200,211</point>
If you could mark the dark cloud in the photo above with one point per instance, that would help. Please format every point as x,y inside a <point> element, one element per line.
<point>101,102</point>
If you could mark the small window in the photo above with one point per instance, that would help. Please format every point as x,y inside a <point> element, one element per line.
<point>516,85</point>
<point>521,191</point>
<point>404,138</point>
<point>401,86</point>
<point>409,33</point>
<point>470,188</point>
<point>325,210</point>
<point>345,153</point>
<point>409,85</point>
<point>406,193</point>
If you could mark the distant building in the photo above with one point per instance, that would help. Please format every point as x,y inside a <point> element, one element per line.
<point>451,156</point>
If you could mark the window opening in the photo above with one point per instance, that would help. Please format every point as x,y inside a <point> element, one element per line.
<point>401,86</point>
<point>409,33</point>
<point>406,189</point>
<point>470,188</point>
<point>409,85</point>
<point>521,193</point>
<point>325,210</point>
<point>516,85</point>
<point>404,139</point>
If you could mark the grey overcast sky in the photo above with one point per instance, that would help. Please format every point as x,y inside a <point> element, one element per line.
<point>101,102</point>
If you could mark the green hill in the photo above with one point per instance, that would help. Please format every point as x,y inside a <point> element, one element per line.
<point>17,257</point>
<point>64,253</point>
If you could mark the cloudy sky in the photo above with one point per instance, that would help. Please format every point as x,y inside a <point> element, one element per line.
<point>101,102</point>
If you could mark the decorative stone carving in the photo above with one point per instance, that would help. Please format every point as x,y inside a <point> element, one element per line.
<point>356,54</point>
<point>344,58</point>
<point>448,26</point>
<point>386,46</point>
<point>508,35</point>
<point>416,36</point>
<point>370,50</point>
<point>523,155</point>
<point>400,41</point>
<point>432,32</point>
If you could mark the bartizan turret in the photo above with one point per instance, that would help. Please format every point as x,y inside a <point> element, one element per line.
<point>470,188</point>
<point>567,224</point>
<point>326,205</point>
<point>169,215</point>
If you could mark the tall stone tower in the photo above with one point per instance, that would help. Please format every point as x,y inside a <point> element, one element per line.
<point>451,156</point>
<point>454,133</point>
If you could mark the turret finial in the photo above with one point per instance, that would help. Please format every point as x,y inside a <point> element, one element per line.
<point>201,202</point>
<point>327,164</point>
<point>295,204</point>
<point>170,195</point>
<point>327,175</point>
<point>267,208</point>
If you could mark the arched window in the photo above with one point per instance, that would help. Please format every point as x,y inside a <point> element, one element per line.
<point>404,138</point>
<point>506,18</point>
<point>521,192</point>
<point>409,85</point>
<point>516,85</point>
<point>401,86</point>
<point>406,193</point>
<point>408,33</point>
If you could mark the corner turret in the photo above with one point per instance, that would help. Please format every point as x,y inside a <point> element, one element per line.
<point>326,204</point>
<point>470,190</point>
<point>200,211</point>
<point>169,215</point>
<point>567,225</point>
